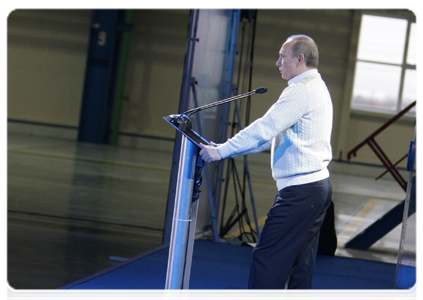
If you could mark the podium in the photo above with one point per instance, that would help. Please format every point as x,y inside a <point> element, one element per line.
<point>184,221</point>
<point>186,195</point>
<point>186,204</point>
<point>184,218</point>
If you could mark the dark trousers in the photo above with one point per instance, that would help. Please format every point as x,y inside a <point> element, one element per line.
<point>285,253</point>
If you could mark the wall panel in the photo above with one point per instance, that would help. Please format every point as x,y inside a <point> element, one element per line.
<point>155,69</point>
<point>46,64</point>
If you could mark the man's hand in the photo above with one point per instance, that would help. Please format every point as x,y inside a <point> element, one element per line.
<point>209,153</point>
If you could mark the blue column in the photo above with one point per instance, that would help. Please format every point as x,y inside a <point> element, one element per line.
<point>97,98</point>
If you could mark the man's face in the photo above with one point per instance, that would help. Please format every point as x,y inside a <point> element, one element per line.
<point>286,62</point>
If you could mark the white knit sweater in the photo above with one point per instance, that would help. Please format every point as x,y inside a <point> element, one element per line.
<point>297,128</point>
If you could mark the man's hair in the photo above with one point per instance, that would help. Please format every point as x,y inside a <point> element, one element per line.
<point>305,45</point>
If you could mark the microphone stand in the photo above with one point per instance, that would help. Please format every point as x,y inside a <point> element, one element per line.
<point>182,122</point>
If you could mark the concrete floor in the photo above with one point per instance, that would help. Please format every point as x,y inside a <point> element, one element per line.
<point>73,205</point>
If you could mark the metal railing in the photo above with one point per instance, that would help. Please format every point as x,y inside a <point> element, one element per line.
<point>370,140</point>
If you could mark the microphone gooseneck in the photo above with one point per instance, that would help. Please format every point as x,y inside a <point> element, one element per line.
<point>183,123</point>
<point>260,90</point>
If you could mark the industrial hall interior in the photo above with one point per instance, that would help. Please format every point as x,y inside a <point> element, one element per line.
<point>106,109</point>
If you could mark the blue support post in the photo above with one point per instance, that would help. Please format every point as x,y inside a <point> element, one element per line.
<point>97,98</point>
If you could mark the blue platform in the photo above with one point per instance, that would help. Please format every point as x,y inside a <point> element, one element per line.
<point>225,266</point>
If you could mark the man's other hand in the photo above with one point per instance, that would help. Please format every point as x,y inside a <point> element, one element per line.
<point>209,153</point>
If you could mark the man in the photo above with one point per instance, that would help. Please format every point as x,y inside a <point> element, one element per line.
<point>297,129</point>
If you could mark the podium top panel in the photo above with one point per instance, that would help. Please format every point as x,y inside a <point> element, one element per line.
<point>183,125</point>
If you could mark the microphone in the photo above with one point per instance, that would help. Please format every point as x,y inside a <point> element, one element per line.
<point>182,122</point>
<point>260,90</point>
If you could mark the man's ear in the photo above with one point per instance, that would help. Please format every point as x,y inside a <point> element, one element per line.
<point>300,59</point>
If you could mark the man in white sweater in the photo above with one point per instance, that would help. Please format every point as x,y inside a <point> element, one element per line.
<point>297,129</point>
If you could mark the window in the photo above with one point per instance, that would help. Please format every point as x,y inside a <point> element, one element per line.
<point>385,73</point>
